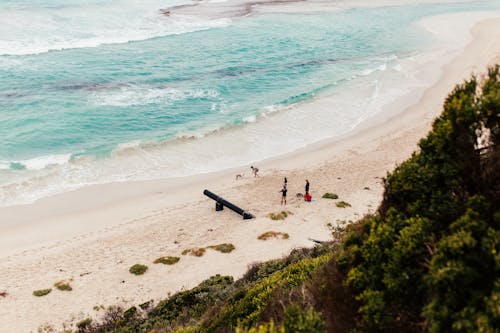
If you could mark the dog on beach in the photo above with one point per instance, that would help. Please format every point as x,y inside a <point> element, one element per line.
<point>299,195</point>
<point>239,176</point>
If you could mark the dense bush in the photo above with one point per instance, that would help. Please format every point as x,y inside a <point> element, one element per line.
<point>430,260</point>
<point>138,269</point>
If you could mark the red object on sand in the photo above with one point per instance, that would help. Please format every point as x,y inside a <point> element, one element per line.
<point>307,197</point>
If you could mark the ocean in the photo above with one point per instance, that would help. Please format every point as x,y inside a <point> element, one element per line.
<point>108,91</point>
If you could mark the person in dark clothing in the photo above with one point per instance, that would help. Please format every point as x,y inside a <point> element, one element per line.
<point>285,182</point>
<point>283,195</point>
<point>307,186</point>
<point>255,171</point>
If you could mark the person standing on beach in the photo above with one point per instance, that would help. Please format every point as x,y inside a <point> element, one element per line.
<point>255,171</point>
<point>283,195</point>
<point>307,186</point>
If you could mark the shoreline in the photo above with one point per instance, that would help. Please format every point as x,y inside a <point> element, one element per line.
<point>85,202</point>
<point>279,127</point>
<point>104,229</point>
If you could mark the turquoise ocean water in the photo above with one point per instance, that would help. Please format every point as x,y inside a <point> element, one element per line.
<point>97,91</point>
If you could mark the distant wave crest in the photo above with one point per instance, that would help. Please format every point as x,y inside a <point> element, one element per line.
<point>141,95</point>
<point>46,30</point>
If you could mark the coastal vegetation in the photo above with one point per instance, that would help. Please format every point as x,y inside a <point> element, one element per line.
<point>167,260</point>
<point>197,251</point>
<point>273,234</point>
<point>342,204</point>
<point>63,285</point>
<point>279,216</point>
<point>427,261</point>
<point>329,195</point>
<point>224,248</point>
<point>138,269</point>
<point>41,292</point>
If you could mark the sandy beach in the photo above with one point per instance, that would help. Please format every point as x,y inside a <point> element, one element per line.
<point>92,236</point>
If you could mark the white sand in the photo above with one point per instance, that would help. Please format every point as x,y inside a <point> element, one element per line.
<point>95,234</point>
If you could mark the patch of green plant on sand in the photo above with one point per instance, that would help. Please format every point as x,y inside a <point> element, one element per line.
<point>279,216</point>
<point>83,324</point>
<point>329,195</point>
<point>224,248</point>
<point>168,260</point>
<point>273,234</point>
<point>197,251</point>
<point>342,204</point>
<point>138,269</point>
<point>63,285</point>
<point>41,292</point>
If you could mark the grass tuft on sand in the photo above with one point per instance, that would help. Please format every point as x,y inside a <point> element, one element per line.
<point>273,234</point>
<point>168,260</point>
<point>138,269</point>
<point>63,285</point>
<point>329,195</point>
<point>197,251</point>
<point>41,292</point>
<point>279,216</point>
<point>84,324</point>
<point>224,248</point>
<point>343,204</point>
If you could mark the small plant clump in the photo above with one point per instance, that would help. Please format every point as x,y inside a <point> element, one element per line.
<point>63,285</point>
<point>342,204</point>
<point>197,251</point>
<point>83,324</point>
<point>279,216</point>
<point>168,260</point>
<point>138,269</point>
<point>330,196</point>
<point>224,248</point>
<point>273,234</point>
<point>41,292</point>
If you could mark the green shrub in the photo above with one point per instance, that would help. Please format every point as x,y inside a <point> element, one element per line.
<point>273,234</point>
<point>187,329</point>
<point>63,285</point>
<point>330,196</point>
<point>224,248</point>
<point>83,324</point>
<point>342,204</point>
<point>138,269</point>
<point>279,216</point>
<point>269,327</point>
<point>432,255</point>
<point>167,260</point>
<point>41,292</point>
<point>197,251</point>
<point>245,309</point>
<point>298,320</point>
<point>129,313</point>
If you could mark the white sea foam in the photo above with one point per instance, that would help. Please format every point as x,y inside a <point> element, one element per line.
<point>42,162</point>
<point>142,95</point>
<point>250,119</point>
<point>4,165</point>
<point>90,24</point>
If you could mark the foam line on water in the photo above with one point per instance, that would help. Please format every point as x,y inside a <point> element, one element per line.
<point>84,25</point>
